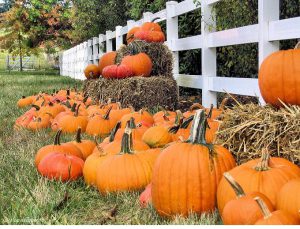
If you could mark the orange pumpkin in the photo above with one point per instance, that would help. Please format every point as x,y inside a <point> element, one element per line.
<point>25,101</point>
<point>150,36</point>
<point>266,175</point>
<point>278,217</point>
<point>140,64</point>
<point>117,71</point>
<point>130,34</point>
<point>243,210</point>
<point>106,60</point>
<point>157,136</point>
<point>91,71</point>
<point>279,77</point>
<point>186,174</point>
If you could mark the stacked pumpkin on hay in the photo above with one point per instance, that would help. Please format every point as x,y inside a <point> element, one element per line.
<point>138,74</point>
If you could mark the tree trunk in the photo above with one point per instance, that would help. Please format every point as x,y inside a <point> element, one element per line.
<point>20,53</point>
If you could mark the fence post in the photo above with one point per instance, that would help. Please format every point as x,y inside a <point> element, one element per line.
<point>119,36</point>
<point>209,56</point>
<point>95,50</point>
<point>90,51</point>
<point>268,10</point>
<point>108,41</point>
<point>101,45</point>
<point>172,33</point>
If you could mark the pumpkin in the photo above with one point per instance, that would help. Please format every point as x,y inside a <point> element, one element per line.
<point>92,71</point>
<point>52,109</point>
<point>39,122</point>
<point>140,64</point>
<point>126,171</point>
<point>110,138</point>
<point>243,210</point>
<point>288,198</point>
<point>186,174</point>
<point>117,71</point>
<point>91,164</point>
<point>65,148</point>
<point>216,112</point>
<point>279,77</point>
<point>25,101</point>
<point>60,166</point>
<point>160,116</point>
<point>70,123</point>
<point>106,60</point>
<point>145,197</point>
<point>101,125</point>
<point>137,132</point>
<point>157,136</point>
<point>151,26</point>
<point>130,34</point>
<point>266,175</point>
<point>192,110</point>
<point>278,217</point>
<point>150,36</point>
<point>26,118</point>
<point>142,116</point>
<point>181,132</point>
<point>86,146</point>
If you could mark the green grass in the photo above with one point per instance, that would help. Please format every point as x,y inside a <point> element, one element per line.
<point>28,198</point>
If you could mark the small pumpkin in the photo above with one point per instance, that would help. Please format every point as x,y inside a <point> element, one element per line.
<point>25,101</point>
<point>243,210</point>
<point>278,217</point>
<point>60,166</point>
<point>106,60</point>
<point>157,136</point>
<point>117,72</point>
<point>142,116</point>
<point>92,71</point>
<point>150,36</point>
<point>130,34</point>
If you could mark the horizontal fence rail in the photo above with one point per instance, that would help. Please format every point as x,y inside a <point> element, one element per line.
<point>267,33</point>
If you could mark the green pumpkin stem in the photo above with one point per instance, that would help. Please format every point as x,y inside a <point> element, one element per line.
<point>263,165</point>
<point>187,122</point>
<point>78,135</point>
<point>235,186</point>
<point>106,116</point>
<point>132,123</point>
<point>73,108</point>
<point>198,129</point>
<point>154,19</point>
<point>127,142</point>
<point>36,107</point>
<point>264,208</point>
<point>114,131</point>
<point>210,111</point>
<point>57,137</point>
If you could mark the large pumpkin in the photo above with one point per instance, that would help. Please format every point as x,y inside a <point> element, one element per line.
<point>279,78</point>
<point>117,71</point>
<point>140,64</point>
<point>106,60</point>
<point>126,171</point>
<point>186,174</point>
<point>266,175</point>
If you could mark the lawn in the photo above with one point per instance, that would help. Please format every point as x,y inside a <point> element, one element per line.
<point>27,198</point>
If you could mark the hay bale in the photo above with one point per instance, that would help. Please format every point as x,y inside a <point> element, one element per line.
<point>161,56</point>
<point>139,92</point>
<point>247,129</point>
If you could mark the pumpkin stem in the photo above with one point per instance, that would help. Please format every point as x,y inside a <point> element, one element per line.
<point>187,122</point>
<point>77,110</point>
<point>73,108</point>
<point>263,165</point>
<point>297,46</point>
<point>114,131</point>
<point>132,123</point>
<point>100,149</point>
<point>178,119</point>
<point>235,186</point>
<point>174,129</point>
<point>127,142</point>
<point>68,92</point>
<point>210,111</point>
<point>106,116</point>
<point>57,137</point>
<point>23,97</point>
<point>36,107</point>
<point>198,129</point>
<point>264,208</point>
<point>196,106</point>
<point>78,135</point>
<point>154,19</point>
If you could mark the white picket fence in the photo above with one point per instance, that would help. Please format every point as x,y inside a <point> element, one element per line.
<point>266,33</point>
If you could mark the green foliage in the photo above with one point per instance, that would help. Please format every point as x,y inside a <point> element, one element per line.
<point>6,5</point>
<point>93,17</point>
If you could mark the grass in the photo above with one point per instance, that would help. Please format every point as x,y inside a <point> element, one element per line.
<point>27,198</point>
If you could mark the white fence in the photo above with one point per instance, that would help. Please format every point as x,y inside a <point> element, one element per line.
<point>266,33</point>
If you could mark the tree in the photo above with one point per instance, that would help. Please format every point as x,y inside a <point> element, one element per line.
<point>6,5</point>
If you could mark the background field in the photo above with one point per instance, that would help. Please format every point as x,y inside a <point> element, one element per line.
<point>27,198</point>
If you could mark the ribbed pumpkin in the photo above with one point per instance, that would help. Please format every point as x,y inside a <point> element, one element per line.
<point>60,166</point>
<point>266,175</point>
<point>126,171</point>
<point>91,71</point>
<point>117,71</point>
<point>288,198</point>
<point>140,64</point>
<point>278,217</point>
<point>70,123</point>
<point>130,34</point>
<point>161,115</point>
<point>186,174</point>
<point>279,77</point>
<point>101,125</point>
<point>86,146</point>
<point>243,210</point>
<point>157,136</point>
<point>65,148</point>
<point>150,36</point>
<point>40,122</point>
<point>142,116</point>
<point>106,60</point>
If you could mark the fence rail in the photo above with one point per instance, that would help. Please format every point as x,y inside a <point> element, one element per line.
<point>266,33</point>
